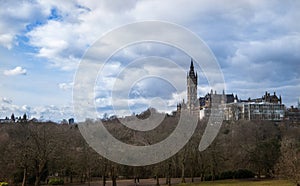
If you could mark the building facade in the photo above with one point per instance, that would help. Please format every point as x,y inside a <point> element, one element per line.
<point>192,103</point>
<point>267,107</point>
<point>292,114</point>
<point>192,83</point>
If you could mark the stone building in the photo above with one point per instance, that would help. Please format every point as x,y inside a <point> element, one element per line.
<point>215,98</point>
<point>292,114</point>
<point>267,107</point>
<point>192,82</point>
<point>192,104</point>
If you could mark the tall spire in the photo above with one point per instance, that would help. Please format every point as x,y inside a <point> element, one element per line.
<point>192,65</point>
<point>192,80</point>
<point>192,72</point>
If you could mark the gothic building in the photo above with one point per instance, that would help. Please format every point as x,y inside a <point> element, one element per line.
<point>192,82</point>
<point>195,104</point>
<point>192,104</point>
<point>267,107</point>
<point>215,98</point>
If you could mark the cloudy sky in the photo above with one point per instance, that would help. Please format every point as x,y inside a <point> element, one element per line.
<point>256,44</point>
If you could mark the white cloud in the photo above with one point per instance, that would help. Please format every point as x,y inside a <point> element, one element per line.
<point>16,71</point>
<point>6,100</point>
<point>14,17</point>
<point>66,86</point>
<point>6,40</point>
<point>248,38</point>
<point>43,113</point>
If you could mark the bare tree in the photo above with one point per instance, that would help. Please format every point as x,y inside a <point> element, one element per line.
<point>289,162</point>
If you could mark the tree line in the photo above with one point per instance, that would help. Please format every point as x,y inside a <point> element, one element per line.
<point>35,152</point>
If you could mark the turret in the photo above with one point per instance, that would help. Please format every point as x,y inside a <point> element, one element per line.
<point>280,100</point>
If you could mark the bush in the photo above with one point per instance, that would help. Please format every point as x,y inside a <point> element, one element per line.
<point>244,173</point>
<point>211,178</point>
<point>3,184</point>
<point>227,175</point>
<point>208,178</point>
<point>56,181</point>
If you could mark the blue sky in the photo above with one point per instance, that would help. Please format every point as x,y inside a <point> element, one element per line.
<point>256,43</point>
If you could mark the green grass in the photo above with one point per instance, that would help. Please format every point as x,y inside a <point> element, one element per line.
<point>243,183</point>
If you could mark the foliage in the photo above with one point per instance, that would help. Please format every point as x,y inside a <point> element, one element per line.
<point>227,175</point>
<point>265,156</point>
<point>56,181</point>
<point>46,149</point>
<point>243,173</point>
<point>3,184</point>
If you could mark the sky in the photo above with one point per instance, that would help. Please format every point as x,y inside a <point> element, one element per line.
<point>42,42</point>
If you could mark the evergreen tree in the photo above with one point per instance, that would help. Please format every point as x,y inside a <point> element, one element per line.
<point>12,117</point>
<point>24,117</point>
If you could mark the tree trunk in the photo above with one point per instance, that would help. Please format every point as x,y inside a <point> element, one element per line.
<point>169,181</point>
<point>38,173</point>
<point>89,177</point>
<point>81,178</point>
<point>37,180</point>
<point>39,169</point>
<point>259,174</point>
<point>169,174</point>
<point>157,180</point>
<point>114,181</point>
<point>182,172</point>
<point>113,177</point>
<point>213,175</point>
<point>104,172</point>
<point>71,177</point>
<point>24,177</point>
<point>103,180</point>
<point>192,173</point>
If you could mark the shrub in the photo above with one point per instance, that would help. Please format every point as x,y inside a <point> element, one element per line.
<point>227,175</point>
<point>208,178</point>
<point>211,178</point>
<point>56,181</point>
<point>3,184</point>
<point>244,173</point>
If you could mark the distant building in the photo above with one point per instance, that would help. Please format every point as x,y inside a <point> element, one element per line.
<point>214,98</point>
<point>6,120</point>
<point>192,83</point>
<point>292,114</point>
<point>267,107</point>
<point>192,104</point>
<point>201,105</point>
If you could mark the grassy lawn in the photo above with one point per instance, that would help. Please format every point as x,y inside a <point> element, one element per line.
<point>244,183</point>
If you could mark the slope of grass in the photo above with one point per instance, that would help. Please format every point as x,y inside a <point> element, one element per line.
<point>243,183</point>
